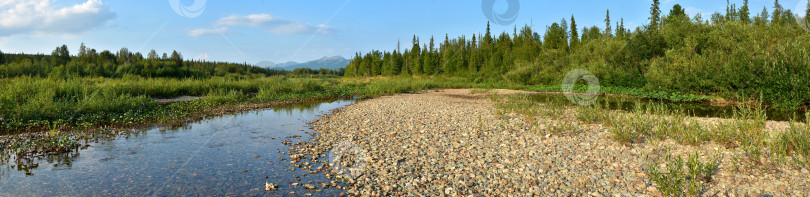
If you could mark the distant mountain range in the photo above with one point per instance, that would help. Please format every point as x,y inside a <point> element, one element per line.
<point>333,63</point>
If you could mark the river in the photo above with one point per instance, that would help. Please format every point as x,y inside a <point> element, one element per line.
<point>230,155</point>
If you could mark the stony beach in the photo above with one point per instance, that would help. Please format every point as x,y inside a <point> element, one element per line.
<point>451,142</point>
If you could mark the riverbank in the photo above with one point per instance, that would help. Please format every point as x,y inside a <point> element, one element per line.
<point>456,142</point>
<point>61,140</point>
<point>75,110</point>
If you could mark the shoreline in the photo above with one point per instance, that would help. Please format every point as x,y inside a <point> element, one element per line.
<point>12,141</point>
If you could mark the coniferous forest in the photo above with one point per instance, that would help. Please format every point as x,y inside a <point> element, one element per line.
<point>90,63</point>
<point>740,55</point>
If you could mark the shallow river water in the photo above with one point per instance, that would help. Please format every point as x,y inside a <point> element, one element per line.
<point>230,155</point>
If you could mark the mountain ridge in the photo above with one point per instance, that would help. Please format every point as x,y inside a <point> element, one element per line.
<point>333,63</point>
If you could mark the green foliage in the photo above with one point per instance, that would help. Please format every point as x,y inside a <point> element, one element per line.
<point>679,176</point>
<point>795,141</point>
<point>89,63</point>
<point>673,55</point>
<point>30,102</point>
<point>518,104</point>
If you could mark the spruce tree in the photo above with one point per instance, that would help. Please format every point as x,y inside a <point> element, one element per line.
<point>777,13</point>
<point>574,33</point>
<point>655,11</point>
<point>763,16</point>
<point>487,37</point>
<point>745,12</point>
<point>607,24</point>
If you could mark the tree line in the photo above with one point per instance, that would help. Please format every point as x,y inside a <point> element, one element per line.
<point>91,63</point>
<point>735,54</point>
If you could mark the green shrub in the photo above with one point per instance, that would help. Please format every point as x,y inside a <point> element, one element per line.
<point>679,176</point>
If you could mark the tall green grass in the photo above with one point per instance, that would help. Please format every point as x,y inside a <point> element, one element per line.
<point>31,102</point>
<point>394,85</point>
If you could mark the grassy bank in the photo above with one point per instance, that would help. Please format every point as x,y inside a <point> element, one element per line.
<point>746,130</point>
<point>629,91</point>
<point>50,115</point>
<point>33,104</point>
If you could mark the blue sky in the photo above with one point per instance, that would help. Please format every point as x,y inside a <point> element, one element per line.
<point>279,31</point>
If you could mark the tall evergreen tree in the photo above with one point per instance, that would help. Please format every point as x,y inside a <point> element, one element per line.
<point>777,13</point>
<point>432,46</point>
<point>487,37</point>
<point>763,17</point>
<point>655,12</point>
<point>677,10</point>
<point>414,60</point>
<point>574,33</point>
<point>729,11</point>
<point>745,12</point>
<point>733,15</point>
<point>607,24</point>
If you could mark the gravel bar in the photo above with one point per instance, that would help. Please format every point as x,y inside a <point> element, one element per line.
<point>450,142</point>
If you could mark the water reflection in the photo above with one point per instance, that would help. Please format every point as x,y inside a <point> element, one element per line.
<point>232,154</point>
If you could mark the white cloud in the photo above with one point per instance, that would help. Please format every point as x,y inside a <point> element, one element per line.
<point>272,24</point>
<point>300,28</point>
<point>202,56</point>
<point>253,20</point>
<point>692,11</point>
<point>42,17</point>
<point>631,26</point>
<point>206,31</point>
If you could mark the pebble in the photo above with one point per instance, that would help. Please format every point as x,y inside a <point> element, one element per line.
<point>450,142</point>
